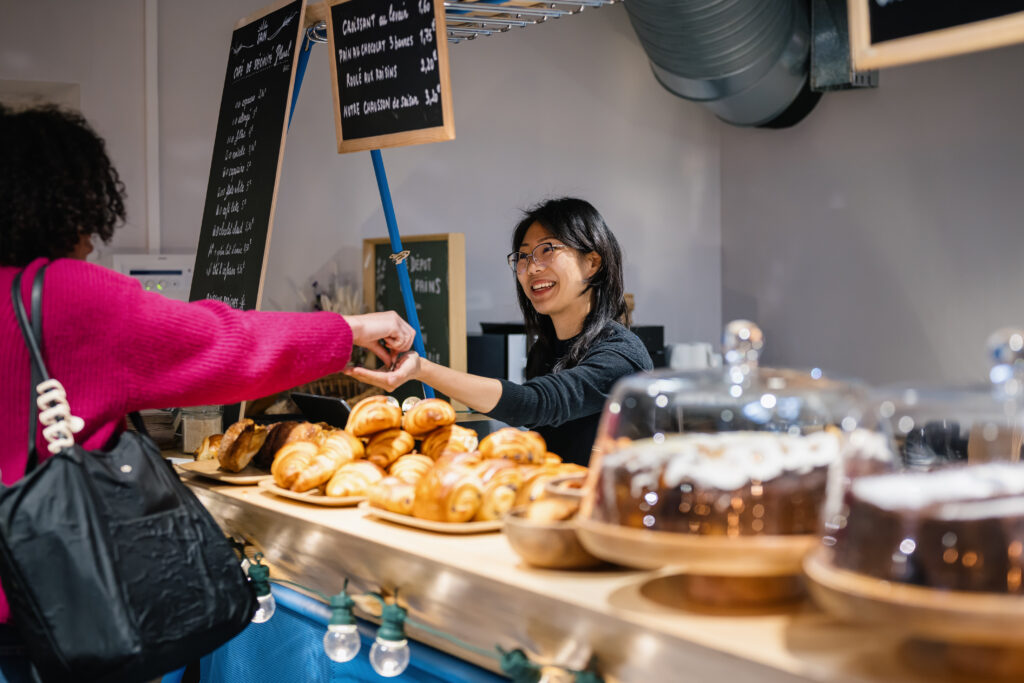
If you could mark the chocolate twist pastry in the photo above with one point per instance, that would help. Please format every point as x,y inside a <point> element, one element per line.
<point>337,449</point>
<point>291,460</point>
<point>385,447</point>
<point>374,414</point>
<point>451,438</point>
<point>392,494</point>
<point>451,493</point>
<point>354,479</point>
<point>284,433</point>
<point>526,448</point>
<point>501,479</point>
<point>411,468</point>
<point>427,415</point>
<point>240,443</point>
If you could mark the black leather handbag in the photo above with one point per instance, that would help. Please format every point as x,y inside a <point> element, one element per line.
<point>113,569</point>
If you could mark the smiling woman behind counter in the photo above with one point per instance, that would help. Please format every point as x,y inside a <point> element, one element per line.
<point>568,273</point>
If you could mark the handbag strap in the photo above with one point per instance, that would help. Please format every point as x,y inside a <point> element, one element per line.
<point>33,339</point>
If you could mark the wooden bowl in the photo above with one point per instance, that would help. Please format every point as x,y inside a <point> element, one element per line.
<point>550,545</point>
<point>568,486</point>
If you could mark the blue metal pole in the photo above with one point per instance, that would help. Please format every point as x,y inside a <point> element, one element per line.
<point>396,247</point>
<point>300,71</point>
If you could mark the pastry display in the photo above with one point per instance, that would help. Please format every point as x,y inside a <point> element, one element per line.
<point>374,414</point>
<point>960,528</point>
<point>451,438</point>
<point>392,494</point>
<point>514,444</point>
<point>383,448</point>
<point>427,415</point>
<point>210,447</point>
<point>410,468</point>
<point>240,443</point>
<point>725,484</point>
<point>354,479</point>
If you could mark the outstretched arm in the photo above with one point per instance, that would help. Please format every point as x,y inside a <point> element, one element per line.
<point>479,393</point>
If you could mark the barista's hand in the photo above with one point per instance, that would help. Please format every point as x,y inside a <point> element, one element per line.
<point>385,333</point>
<point>389,378</point>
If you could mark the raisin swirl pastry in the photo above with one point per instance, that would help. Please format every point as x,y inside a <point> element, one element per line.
<point>240,443</point>
<point>427,415</point>
<point>392,494</point>
<point>525,448</point>
<point>354,479</point>
<point>387,446</point>
<point>448,493</point>
<point>501,479</point>
<point>452,438</point>
<point>372,415</point>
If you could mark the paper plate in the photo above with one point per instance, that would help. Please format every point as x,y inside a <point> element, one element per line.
<point>211,470</point>
<point>314,497</point>
<point>427,525</point>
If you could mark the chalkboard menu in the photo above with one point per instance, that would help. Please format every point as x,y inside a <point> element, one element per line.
<point>247,152</point>
<point>437,273</point>
<point>389,72</point>
<point>891,32</point>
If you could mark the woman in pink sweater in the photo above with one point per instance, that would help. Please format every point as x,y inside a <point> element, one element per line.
<point>115,347</point>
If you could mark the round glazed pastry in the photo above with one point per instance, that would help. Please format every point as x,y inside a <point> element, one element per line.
<point>410,468</point>
<point>374,414</point>
<point>241,442</point>
<point>427,415</point>
<point>354,479</point>
<point>386,447</point>
<point>526,448</point>
<point>451,438</point>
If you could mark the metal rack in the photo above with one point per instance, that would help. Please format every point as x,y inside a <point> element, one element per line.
<point>469,20</point>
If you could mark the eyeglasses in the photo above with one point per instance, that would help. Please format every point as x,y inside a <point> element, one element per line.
<point>541,256</point>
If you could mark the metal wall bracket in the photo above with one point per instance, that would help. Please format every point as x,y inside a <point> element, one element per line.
<point>831,62</point>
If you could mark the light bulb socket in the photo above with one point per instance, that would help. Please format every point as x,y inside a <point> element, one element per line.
<point>341,609</point>
<point>392,623</point>
<point>259,574</point>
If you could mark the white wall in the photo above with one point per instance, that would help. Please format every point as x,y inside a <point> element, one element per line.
<point>98,45</point>
<point>569,107</point>
<point>882,237</point>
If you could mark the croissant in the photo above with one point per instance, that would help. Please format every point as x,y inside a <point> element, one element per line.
<point>385,447</point>
<point>410,468</point>
<point>374,414</point>
<point>450,493</point>
<point>501,479</point>
<point>291,460</point>
<point>354,479</point>
<point>427,415</point>
<point>284,433</point>
<point>464,459</point>
<point>551,459</point>
<point>393,495</point>
<point>514,444</point>
<point>240,443</point>
<point>210,447</point>
<point>450,438</point>
<point>338,448</point>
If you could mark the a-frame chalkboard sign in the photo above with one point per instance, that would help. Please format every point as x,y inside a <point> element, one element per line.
<point>247,151</point>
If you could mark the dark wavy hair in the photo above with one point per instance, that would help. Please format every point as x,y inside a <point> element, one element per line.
<point>577,223</point>
<point>56,184</point>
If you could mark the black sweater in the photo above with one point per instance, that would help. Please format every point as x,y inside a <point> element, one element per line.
<point>565,406</point>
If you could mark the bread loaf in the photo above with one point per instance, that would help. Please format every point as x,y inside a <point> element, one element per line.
<point>240,443</point>
<point>210,447</point>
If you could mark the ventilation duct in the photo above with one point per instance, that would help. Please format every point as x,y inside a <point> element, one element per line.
<point>745,60</point>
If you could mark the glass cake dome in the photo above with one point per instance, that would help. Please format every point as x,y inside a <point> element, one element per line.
<point>929,533</point>
<point>689,465</point>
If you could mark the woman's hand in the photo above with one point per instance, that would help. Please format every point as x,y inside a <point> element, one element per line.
<point>391,377</point>
<point>384,333</point>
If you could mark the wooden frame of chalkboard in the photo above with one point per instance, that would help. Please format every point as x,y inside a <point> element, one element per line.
<point>389,73</point>
<point>248,150</point>
<point>438,288</point>
<point>894,32</point>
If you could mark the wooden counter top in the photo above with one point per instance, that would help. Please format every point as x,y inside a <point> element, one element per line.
<point>477,589</point>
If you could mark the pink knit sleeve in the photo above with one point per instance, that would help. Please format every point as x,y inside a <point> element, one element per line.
<point>179,354</point>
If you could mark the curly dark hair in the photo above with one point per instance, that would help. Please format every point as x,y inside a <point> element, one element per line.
<point>56,185</point>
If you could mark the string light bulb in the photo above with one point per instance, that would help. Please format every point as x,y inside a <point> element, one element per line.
<point>259,574</point>
<point>390,655</point>
<point>341,642</point>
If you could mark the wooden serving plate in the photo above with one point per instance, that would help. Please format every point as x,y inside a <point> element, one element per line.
<point>427,525</point>
<point>211,470</point>
<point>314,497</point>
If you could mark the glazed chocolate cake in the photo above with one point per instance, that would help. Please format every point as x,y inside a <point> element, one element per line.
<point>960,528</point>
<point>726,484</point>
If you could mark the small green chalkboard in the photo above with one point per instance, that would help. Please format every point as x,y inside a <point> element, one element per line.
<point>437,273</point>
